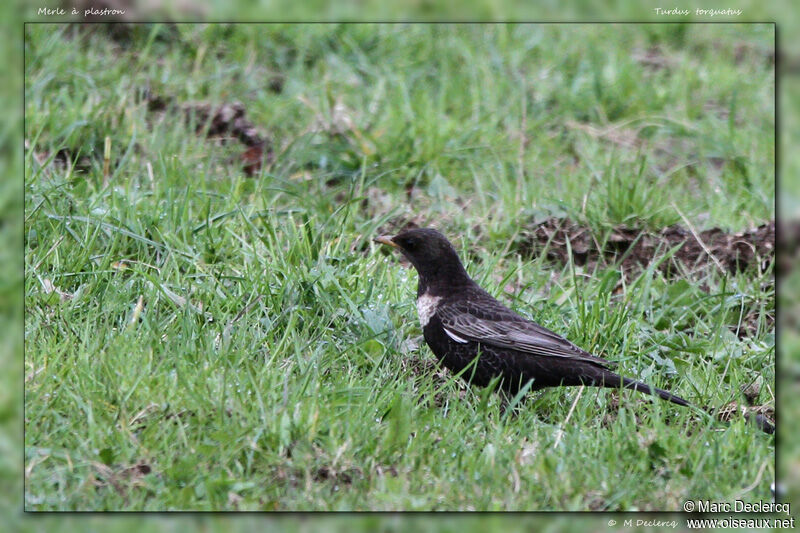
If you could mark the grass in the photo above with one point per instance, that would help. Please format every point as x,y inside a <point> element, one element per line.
<point>198,339</point>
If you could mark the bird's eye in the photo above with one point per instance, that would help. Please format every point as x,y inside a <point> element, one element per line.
<point>411,243</point>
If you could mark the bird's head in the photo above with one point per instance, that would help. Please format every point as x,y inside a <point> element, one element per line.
<point>431,254</point>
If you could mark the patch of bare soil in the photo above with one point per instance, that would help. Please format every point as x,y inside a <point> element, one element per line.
<point>653,58</point>
<point>120,478</point>
<point>337,477</point>
<point>634,249</point>
<point>63,160</point>
<point>762,416</point>
<point>223,122</point>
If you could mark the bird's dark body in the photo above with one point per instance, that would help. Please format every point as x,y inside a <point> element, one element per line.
<point>463,324</point>
<point>515,371</point>
<point>516,368</point>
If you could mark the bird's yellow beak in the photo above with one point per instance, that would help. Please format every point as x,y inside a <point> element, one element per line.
<point>386,239</point>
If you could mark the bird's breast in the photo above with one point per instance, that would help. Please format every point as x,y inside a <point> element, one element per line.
<point>426,307</point>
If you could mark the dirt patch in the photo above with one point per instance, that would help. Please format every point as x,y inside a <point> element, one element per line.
<point>762,416</point>
<point>228,121</point>
<point>595,501</point>
<point>745,51</point>
<point>337,477</point>
<point>155,414</point>
<point>386,470</point>
<point>120,478</point>
<point>748,327</point>
<point>64,159</point>
<point>633,249</point>
<point>224,122</point>
<point>653,58</point>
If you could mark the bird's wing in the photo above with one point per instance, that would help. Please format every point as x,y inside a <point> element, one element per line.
<point>489,322</point>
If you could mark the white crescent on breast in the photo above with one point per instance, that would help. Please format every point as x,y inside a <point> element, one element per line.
<point>426,307</point>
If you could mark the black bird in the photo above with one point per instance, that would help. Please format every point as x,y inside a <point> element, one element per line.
<point>461,321</point>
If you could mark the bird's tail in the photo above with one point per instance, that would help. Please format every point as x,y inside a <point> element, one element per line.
<point>610,379</point>
<point>629,383</point>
